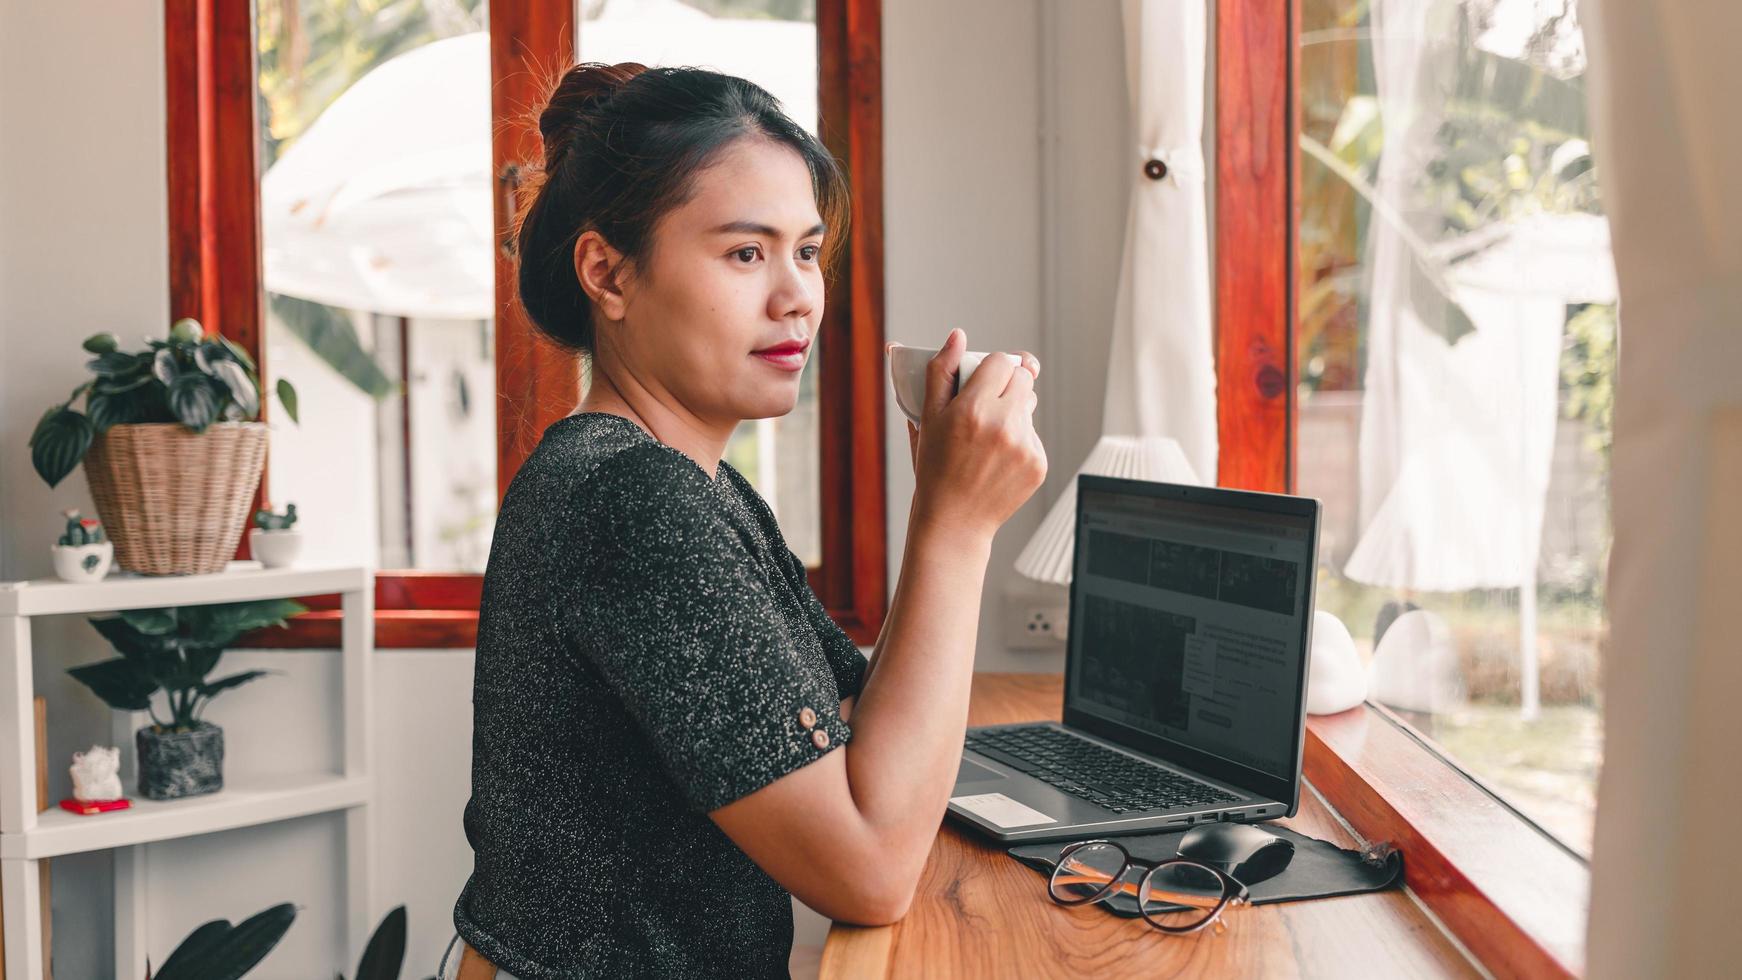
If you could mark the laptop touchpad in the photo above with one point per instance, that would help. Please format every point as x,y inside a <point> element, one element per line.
<point>973,770</point>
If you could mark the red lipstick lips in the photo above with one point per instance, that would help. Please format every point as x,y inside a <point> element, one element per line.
<point>788,355</point>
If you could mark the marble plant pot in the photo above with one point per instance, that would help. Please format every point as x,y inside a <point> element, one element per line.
<point>177,764</point>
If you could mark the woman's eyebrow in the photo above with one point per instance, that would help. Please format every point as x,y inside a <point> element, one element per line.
<point>756,228</point>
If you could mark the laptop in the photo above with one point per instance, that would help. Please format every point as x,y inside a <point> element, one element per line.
<point>1185,674</point>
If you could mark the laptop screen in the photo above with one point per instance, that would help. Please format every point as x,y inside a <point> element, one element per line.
<point>1187,618</point>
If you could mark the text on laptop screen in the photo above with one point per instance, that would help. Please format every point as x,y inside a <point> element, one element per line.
<point>1187,623</point>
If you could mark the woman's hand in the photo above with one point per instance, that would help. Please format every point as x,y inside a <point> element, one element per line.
<point>976,456</point>
<point>1029,361</point>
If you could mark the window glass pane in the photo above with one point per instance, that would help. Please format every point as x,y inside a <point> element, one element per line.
<point>376,234</point>
<point>774,44</point>
<point>1456,348</point>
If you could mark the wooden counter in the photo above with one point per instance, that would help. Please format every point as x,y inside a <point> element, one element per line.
<point>979,913</point>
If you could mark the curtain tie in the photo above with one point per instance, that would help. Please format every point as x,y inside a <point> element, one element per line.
<point>1174,164</point>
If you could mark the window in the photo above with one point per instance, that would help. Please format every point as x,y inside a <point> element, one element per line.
<point>1455,352</point>
<point>774,44</point>
<point>359,259</point>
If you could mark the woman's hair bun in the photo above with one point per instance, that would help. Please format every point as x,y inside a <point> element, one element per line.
<point>575,101</point>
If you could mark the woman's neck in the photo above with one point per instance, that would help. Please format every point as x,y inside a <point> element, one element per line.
<point>660,416</point>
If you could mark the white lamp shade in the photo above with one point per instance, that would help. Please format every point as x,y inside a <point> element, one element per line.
<point>1048,556</point>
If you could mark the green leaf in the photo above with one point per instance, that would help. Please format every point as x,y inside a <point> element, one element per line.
<point>385,953</point>
<point>157,656</point>
<point>164,366</point>
<point>110,410</point>
<point>59,443</point>
<point>190,957</point>
<point>202,657</point>
<point>217,625</point>
<point>115,363</point>
<point>154,622</point>
<point>192,400</point>
<point>251,940</point>
<point>102,343</point>
<point>243,390</point>
<point>225,683</point>
<point>224,952</point>
<point>238,353</point>
<point>122,383</point>
<point>287,395</point>
<point>244,616</point>
<point>120,683</point>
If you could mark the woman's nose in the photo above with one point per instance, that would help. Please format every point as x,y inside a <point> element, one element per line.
<point>792,294</point>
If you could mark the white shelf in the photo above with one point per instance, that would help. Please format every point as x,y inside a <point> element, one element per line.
<point>241,581</point>
<point>243,802</point>
<point>247,800</point>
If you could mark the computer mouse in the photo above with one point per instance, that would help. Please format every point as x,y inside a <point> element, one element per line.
<point>1248,854</point>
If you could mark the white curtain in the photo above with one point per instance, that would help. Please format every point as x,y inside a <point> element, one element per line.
<point>1457,432</point>
<point>1159,417</point>
<point>1161,371</point>
<point>1665,86</point>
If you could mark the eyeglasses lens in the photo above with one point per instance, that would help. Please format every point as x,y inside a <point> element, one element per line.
<point>1181,895</point>
<point>1087,872</point>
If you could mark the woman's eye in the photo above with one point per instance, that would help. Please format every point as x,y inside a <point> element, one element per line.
<point>750,249</point>
<point>812,251</point>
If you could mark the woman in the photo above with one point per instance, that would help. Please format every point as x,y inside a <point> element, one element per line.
<point>661,755</point>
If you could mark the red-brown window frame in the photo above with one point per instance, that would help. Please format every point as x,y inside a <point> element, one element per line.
<point>215,275</point>
<point>1463,855</point>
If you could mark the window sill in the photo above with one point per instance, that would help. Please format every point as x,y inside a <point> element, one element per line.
<point>1513,896</point>
<point>439,610</point>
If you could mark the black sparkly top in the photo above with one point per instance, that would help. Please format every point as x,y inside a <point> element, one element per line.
<point>649,649</point>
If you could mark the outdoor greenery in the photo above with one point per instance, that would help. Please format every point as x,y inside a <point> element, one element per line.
<point>311,51</point>
<point>191,377</point>
<point>1512,142</point>
<point>172,650</point>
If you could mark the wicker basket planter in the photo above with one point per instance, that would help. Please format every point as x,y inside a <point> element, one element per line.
<point>175,501</point>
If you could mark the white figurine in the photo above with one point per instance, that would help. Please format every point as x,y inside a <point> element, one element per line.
<point>97,773</point>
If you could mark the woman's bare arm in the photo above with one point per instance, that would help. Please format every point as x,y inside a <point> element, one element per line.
<point>849,833</point>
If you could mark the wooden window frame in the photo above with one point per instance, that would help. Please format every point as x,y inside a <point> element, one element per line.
<point>215,275</point>
<point>1511,894</point>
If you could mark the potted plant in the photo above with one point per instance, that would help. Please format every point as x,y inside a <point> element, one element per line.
<point>172,650</point>
<point>272,539</point>
<point>170,443</point>
<point>83,553</point>
<point>219,949</point>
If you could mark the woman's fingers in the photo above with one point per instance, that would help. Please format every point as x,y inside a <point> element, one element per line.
<point>941,371</point>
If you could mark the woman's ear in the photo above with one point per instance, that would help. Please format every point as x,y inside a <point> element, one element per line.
<point>597,265</point>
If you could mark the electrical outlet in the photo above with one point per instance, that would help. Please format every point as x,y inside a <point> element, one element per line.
<point>1033,623</point>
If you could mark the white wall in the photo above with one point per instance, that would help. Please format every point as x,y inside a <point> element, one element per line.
<point>84,219</point>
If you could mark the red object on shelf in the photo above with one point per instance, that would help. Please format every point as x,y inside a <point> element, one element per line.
<point>88,807</point>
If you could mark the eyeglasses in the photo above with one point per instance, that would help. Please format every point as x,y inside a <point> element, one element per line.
<point>1176,896</point>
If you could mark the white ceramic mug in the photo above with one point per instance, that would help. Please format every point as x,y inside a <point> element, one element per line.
<point>907,374</point>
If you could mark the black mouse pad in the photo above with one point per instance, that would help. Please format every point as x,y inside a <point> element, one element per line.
<point>1320,869</point>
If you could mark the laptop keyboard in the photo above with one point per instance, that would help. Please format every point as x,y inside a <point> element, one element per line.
<point>1091,771</point>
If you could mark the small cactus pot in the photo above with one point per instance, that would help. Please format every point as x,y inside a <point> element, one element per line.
<point>275,549</point>
<point>83,562</point>
<point>177,764</point>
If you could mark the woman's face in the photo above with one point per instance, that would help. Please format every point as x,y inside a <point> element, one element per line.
<point>735,270</point>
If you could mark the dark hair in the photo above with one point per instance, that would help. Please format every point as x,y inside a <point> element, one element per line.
<point>623,145</point>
